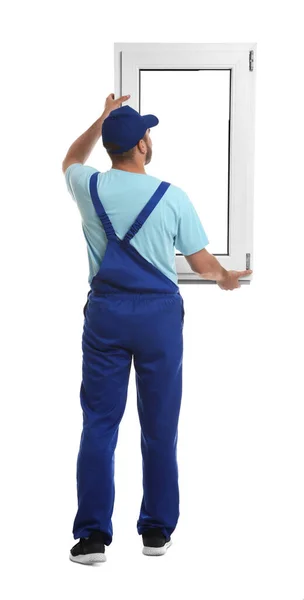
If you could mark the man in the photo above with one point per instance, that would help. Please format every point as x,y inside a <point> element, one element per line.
<point>131,222</point>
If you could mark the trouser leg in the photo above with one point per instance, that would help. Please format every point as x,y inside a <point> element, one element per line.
<point>158,369</point>
<point>103,394</point>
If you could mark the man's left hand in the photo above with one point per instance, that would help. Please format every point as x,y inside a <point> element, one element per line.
<point>111,104</point>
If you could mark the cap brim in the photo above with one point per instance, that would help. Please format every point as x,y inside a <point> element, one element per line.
<point>150,120</point>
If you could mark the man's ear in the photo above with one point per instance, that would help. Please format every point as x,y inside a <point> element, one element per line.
<point>140,146</point>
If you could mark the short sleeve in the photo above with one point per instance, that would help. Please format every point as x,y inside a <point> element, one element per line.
<point>191,236</point>
<point>77,178</point>
<point>73,175</point>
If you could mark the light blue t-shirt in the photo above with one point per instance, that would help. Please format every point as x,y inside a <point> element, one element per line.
<point>174,222</point>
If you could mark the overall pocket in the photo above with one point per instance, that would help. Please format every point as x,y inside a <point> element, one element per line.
<point>183,311</point>
<point>85,308</point>
<point>86,304</point>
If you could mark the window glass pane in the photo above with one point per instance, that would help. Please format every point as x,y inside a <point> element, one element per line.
<point>190,145</point>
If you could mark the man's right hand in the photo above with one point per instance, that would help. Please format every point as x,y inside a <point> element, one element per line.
<point>207,266</point>
<point>230,281</point>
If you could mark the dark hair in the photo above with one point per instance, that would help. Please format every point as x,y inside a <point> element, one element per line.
<point>123,156</point>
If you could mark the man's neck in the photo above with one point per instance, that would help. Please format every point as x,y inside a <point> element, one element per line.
<point>130,168</point>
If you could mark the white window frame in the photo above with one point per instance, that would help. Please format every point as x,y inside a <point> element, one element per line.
<point>129,58</point>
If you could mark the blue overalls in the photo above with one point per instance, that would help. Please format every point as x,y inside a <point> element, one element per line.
<point>132,310</point>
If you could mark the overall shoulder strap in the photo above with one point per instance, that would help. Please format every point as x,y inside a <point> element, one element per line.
<point>108,227</point>
<point>146,211</point>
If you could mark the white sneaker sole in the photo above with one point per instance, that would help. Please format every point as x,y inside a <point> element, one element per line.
<point>150,551</point>
<point>89,559</point>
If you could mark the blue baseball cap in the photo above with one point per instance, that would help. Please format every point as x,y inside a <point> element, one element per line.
<point>124,127</point>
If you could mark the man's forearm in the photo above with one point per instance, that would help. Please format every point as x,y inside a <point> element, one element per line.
<point>83,146</point>
<point>214,271</point>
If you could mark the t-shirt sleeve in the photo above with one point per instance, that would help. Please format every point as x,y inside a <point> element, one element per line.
<point>191,236</point>
<point>75,177</point>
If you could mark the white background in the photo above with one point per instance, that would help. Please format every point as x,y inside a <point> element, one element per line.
<point>241,444</point>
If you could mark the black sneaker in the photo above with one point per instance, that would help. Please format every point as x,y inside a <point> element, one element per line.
<point>89,551</point>
<point>155,542</point>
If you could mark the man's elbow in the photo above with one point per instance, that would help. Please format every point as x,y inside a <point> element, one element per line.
<point>200,261</point>
<point>68,161</point>
<point>64,165</point>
